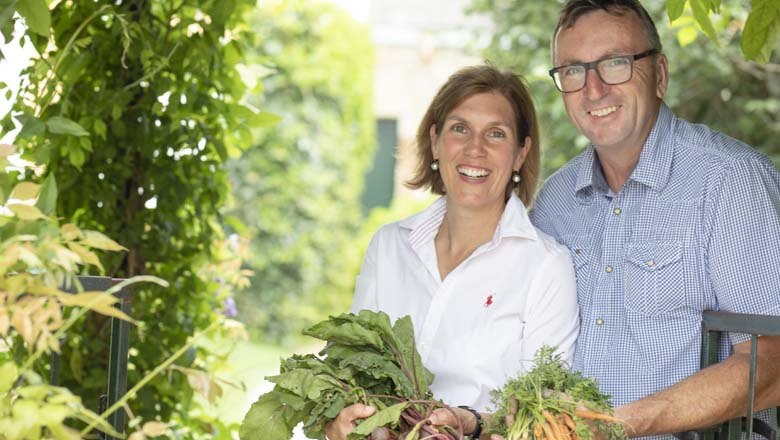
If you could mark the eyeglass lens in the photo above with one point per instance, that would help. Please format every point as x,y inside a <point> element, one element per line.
<point>611,71</point>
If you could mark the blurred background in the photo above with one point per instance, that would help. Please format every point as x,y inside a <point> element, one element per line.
<point>341,86</point>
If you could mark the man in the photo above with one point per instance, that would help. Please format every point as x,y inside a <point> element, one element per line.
<point>665,219</point>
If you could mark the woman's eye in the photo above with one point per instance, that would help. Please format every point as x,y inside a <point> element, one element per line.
<point>497,134</point>
<point>459,128</point>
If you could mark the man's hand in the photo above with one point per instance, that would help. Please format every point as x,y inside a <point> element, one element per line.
<point>344,423</point>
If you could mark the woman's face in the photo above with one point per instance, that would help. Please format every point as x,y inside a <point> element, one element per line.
<point>477,149</point>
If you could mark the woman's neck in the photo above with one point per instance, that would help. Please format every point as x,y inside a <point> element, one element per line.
<point>461,232</point>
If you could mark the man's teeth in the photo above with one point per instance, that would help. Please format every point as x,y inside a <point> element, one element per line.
<point>604,111</point>
<point>473,172</point>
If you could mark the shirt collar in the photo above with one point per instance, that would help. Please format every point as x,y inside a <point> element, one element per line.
<point>424,225</point>
<point>655,160</point>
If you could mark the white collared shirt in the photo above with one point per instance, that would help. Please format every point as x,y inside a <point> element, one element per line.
<point>483,323</point>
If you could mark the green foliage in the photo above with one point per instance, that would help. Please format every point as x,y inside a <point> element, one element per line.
<point>298,189</point>
<point>708,84</point>
<point>366,360</point>
<point>36,15</point>
<point>550,392</point>
<point>38,256</point>
<point>134,107</point>
<point>761,32</point>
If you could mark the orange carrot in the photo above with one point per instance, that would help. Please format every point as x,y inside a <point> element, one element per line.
<point>554,425</point>
<point>567,420</point>
<point>537,431</point>
<point>548,431</point>
<point>593,415</point>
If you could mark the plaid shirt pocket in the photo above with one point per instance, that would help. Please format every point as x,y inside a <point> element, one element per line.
<point>654,282</point>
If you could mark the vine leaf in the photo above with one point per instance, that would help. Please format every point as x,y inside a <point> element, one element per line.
<point>25,212</point>
<point>762,26</point>
<point>702,16</point>
<point>674,9</point>
<point>61,125</point>
<point>47,198</point>
<point>36,15</point>
<point>25,191</point>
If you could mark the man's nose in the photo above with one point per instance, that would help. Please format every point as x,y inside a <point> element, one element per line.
<point>595,88</point>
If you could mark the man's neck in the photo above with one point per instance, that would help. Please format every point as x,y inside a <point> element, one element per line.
<point>619,161</point>
<point>617,165</point>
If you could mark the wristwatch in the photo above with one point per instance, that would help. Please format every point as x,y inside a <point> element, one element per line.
<point>478,430</point>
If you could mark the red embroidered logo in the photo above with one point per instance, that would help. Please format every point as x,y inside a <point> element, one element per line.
<point>489,300</point>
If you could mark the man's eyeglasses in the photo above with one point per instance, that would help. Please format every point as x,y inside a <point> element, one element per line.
<point>613,71</point>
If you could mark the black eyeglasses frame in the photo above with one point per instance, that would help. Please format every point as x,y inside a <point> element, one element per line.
<point>593,66</point>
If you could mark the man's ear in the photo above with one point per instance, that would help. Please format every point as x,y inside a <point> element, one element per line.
<point>662,76</point>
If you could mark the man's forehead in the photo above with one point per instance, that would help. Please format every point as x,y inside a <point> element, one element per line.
<point>596,35</point>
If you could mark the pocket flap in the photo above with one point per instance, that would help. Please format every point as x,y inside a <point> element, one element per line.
<point>653,255</point>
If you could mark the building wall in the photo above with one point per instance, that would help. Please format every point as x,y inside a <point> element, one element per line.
<point>418,45</point>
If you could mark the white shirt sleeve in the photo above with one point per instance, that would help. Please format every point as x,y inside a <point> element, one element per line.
<point>552,313</point>
<point>365,286</point>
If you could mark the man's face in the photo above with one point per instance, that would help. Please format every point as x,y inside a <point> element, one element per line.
<point>612,117</point>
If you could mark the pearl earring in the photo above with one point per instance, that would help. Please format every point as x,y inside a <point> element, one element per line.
<point>435,165</point>
<point>516,177</point>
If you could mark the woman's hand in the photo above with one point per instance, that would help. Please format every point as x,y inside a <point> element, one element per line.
<point>344,423</point>
<point>455,417</point>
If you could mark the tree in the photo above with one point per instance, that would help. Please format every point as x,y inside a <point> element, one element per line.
<point>711,84</point>
<point>134,107</point>
<point>298,189</point>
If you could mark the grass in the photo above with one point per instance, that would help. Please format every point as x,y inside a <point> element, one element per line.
<point>249,363</point>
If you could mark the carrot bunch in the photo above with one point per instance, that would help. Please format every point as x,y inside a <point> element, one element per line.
<point>550,402</point>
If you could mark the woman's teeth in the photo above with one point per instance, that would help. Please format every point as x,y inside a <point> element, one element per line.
<point>473,172</point>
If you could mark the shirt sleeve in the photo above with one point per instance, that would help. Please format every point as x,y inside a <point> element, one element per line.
<point>743,250</point>
<point>552,313</point>
<point>536,213</point>
<point>365,286</point>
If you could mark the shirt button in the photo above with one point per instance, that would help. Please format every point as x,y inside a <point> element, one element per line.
<point>617,211</point>
<point>650,263</point>
<point>599,321</point>
<point>609,269</point>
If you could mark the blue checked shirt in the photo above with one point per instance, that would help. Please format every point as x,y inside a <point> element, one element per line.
<point>696,227</point>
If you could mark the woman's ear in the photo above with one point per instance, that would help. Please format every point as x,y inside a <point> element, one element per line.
<point>434,136</point>
<point>522,152</point>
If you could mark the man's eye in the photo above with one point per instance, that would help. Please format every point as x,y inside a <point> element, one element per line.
<point>617,62</point>
<point>572,71</point>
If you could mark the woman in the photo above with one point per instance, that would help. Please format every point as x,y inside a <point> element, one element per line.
<point>484,288</point>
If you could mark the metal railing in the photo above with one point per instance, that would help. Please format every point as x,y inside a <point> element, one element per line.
<point>118,351</point>
<point>713,325</point>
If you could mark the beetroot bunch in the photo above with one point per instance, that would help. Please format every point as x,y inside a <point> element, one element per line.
<point>366,360</point>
